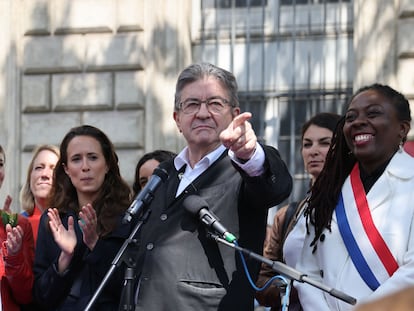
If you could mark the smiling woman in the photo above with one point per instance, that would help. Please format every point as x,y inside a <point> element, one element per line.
<point>39,181</point>
<point>364,190</point>
<point>372,120</point>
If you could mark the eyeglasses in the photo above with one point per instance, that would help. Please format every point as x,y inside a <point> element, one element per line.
<point>214,105</point>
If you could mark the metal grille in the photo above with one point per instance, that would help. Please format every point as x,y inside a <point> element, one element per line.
<point>292,59</point>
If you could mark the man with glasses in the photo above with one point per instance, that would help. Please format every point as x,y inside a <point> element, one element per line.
<point>179,267</point>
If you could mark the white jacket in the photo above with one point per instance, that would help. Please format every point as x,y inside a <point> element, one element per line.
<point>391,201</point>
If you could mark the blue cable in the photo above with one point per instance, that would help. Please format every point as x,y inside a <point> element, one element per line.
<point>285,298</point>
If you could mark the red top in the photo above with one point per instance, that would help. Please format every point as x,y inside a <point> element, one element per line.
<point>34,220</point>
<point>16,271</point>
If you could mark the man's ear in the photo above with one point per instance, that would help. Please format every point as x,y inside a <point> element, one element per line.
<point>176,117</point>
<point>235,111</point>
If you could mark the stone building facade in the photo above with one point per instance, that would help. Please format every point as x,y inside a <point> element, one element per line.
<point>113,64</point>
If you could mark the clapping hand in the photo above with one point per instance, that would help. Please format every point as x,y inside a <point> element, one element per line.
<point>64,238</point>
<point>14,234</point>
<point>88,224</point>
<point>14,239</point>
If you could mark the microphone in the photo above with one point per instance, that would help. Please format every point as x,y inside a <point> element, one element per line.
<point>197,206</point>
<point>146,195</point>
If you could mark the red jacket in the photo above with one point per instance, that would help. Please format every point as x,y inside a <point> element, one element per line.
<point>34,220</point>
<point>17,271</point>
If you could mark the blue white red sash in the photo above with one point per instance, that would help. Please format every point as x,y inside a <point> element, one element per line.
<point>366,247</point>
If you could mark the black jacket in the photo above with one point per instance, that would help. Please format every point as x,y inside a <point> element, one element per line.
<point>73,289</point>
<point>179,267</point>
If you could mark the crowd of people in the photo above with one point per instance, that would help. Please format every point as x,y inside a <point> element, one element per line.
<point>352,231</point>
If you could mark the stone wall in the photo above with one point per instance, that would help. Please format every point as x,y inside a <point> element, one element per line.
<point>108,63</point>
<point>113,64</point>
<point>405,49</point>
<point>384,45</point>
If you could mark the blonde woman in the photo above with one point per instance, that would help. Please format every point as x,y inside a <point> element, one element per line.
<point>39,181</point>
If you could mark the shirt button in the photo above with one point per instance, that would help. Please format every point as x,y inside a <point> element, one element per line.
<point>150,246</point>
<point>163,217</point>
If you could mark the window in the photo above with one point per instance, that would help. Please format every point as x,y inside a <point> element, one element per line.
<point>293,2</point>
<point>227,4</point>
<point>256,105</point>
<point>292,59</point>
<point>297,110</point>
<point>292,111</point>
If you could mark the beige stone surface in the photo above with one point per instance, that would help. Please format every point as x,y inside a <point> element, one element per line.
<point>108,63</point>
<point>114,63</point>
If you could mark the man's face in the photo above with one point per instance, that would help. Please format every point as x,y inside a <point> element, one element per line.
<point>202,128</point>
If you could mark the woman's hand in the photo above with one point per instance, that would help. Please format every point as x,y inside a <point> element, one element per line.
<point>14,239</point>
<point>88,224</point>
<point>64,238</point>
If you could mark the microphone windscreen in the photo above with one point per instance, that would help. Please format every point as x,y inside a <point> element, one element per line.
<point>194,203</point>
<point>162,170</point>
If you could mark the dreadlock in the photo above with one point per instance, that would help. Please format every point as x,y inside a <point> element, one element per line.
<point>338,165</point>
<point>327,187</point>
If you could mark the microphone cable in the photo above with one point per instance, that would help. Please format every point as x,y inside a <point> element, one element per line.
<point>285,288</point>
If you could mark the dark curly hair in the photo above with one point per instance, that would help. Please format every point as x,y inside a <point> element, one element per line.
<point>114,196</point>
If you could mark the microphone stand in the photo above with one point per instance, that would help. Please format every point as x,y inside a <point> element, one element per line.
<point>287,271</point>
<point>129,273</point>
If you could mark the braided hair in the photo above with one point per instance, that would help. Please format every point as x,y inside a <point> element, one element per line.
<point>338,165</point>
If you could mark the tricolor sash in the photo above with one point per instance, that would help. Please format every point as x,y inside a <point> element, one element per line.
<point>366,247</point>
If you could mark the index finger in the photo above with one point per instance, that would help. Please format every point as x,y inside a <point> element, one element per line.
<point>241,118</point>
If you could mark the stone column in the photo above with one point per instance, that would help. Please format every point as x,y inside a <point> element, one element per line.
<point>375,42</point>
<point>9,99</point>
